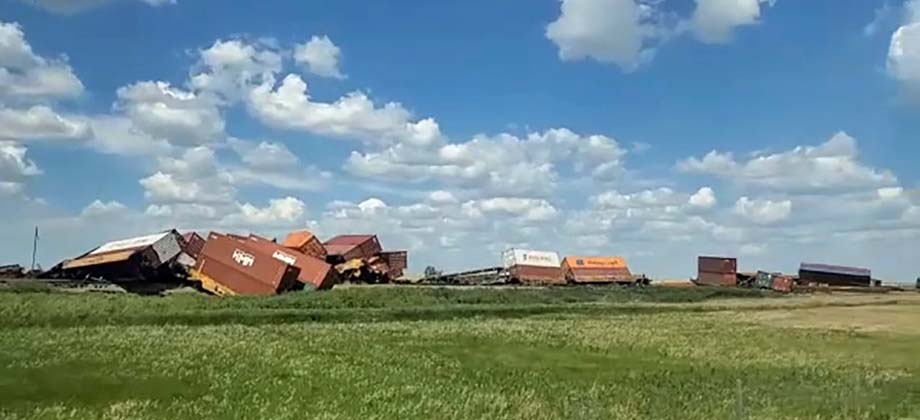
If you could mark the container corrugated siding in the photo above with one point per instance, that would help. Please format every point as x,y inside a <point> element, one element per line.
<point>348,247</point>
<point>130,243</point>
<point>151,250</point>
<point>718,265</point>
<point>193,244</point>
<point>537,275</point>
<point>833,279</point>
<point>529,257</point>
<point>783,284</point>
<point>313,272</point>
<point>594,262</point>
<point>264,275</point>
<point>598,275</point>
<point>836,269</point>
<point>396,260</point>
<point>306,243</point>
<point>717,279</point>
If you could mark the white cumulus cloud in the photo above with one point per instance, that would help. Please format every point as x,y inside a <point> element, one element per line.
<point>714,21</point>
<point>616,31</point>
<point>24,74</point>
<point>763,212</point>
<point>704,198</point>
<point>831,166</point>
<point>320,56</point>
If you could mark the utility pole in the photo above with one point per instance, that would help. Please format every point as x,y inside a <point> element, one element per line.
<point>34,248</point>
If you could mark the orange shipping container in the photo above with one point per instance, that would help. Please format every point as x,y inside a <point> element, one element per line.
<point>305,242</point>
<point>594,262</point>
<point>597,270</point>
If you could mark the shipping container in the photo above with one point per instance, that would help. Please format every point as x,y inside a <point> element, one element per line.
<point>783,284</point>
<point>834,275</point>
<point>314,273</point>
<point>596,270</point>
<point>347,247</point>
<point>192,243</point>
<point>533,275</point>
<point>133,259</point>
<point>717,271</point>
<point>306,243</point>
<point>595,262</point>
<point>717,279</point>
<point>718,265</point>
<point>243,269</point>
<point>397,262</point>
<point>526,257</point>
<point>764,280</point>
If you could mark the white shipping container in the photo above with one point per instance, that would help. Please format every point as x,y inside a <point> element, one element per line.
<point>515,256</point>
<point>165,245</point>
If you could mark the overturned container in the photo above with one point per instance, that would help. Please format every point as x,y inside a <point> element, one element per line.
<point>783,283</point>
<point>533,267</point>
<point>344,248</point>
<point>834,275</point>
<point>597,270</point>
<point>314,273</point>
<point>306,243</point>
<point>135,259</point>
<point>230,266</point>
<point>717,271</point>
<point>396,262</point>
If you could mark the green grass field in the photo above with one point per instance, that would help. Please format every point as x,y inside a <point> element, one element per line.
<point>582,353</point>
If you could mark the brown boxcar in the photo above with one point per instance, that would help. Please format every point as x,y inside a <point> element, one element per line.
<point>596,270</point>
<point>348,247</point>
<point>242,268</point>
<point>527,274</point>
<point>306,243</point>
<point>314,273</point>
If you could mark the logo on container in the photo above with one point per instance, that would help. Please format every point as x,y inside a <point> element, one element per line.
<point>280,256</point>
<point>243,258</point>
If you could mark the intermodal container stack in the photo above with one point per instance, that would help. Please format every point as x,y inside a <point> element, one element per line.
<point>230,266</point>
<point>596,270</point>
<point>717,271</point>
<point>533,267</point>
<point>314,273</point>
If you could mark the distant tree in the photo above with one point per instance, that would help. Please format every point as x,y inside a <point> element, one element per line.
<point>430,271</point>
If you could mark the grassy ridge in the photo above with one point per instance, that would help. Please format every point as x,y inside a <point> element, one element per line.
<point>359,304</point>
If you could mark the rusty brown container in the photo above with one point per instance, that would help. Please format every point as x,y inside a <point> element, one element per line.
<point>783,284</point>
<point>306,243</point>
<point>397,261</point>
<point>532,275</point>
<point>717,279</point>
<point>192,244</point>
<point>348,247</point>
<point>242,268</point>
<point>722,265</point>
<point>314,273</point>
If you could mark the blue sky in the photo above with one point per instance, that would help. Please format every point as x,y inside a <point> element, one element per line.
<point>777,131</point>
